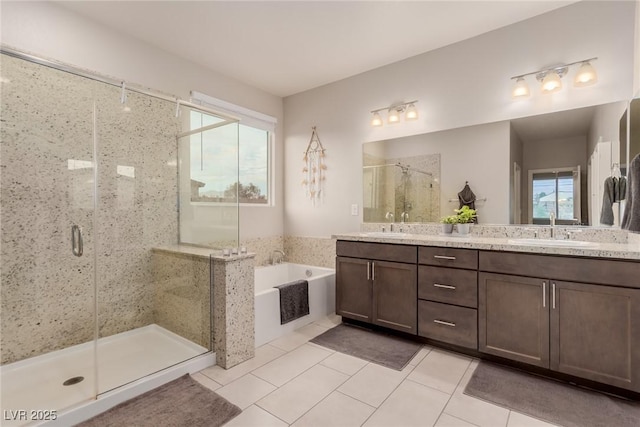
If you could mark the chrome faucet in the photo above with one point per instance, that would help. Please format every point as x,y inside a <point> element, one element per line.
<point>404,217</point>
<point>277,257</point>
<point>552,222</point>
<point>390,217</point>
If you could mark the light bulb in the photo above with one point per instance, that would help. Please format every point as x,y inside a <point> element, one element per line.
<point>520,89</point>
<point>551,82</point>
<point>586,75</point>
<point>377,120</point>
<point>412,113</point>
<point>394,116</point>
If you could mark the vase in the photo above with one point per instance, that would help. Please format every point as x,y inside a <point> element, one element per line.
<point>463,229</point>
<point>447,228</point>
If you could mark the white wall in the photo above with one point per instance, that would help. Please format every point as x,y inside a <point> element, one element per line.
<point>50,31</point>
<point>605,126</point>
<point>515,156</point>
<point>460,85</point>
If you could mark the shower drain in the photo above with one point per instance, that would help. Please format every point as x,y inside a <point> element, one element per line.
<point>72,381</point>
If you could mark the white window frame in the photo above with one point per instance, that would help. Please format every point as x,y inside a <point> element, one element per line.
<point>251,118</point>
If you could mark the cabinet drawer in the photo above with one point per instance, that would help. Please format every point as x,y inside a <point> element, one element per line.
<point>448,285</point>
<point>448,257</point>
<point>380,251</point>
<point>571,269</point>
<point>448,323</point>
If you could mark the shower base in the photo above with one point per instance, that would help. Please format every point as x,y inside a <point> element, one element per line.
<point>33,392</point>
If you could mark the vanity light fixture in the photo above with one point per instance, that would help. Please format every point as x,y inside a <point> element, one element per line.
<point>520,88</point>
<point>394,113</point>
<point>377,120</point>
<point>551,78</point>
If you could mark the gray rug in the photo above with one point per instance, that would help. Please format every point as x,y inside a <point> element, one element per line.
<point>182,402</point>
<point>377,347</point>
<point>549,400</point>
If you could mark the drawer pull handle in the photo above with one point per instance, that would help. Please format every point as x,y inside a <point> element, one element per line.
<point>449,258</point>
<point>438,285</point>
<point>442,322</point>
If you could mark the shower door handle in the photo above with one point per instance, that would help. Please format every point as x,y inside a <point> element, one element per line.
<point>76,240</point>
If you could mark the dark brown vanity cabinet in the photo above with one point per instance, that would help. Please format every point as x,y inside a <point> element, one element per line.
<point>448,295</point>
<point>513,319</point>
<point>589,330</point>
<point>376,283</point>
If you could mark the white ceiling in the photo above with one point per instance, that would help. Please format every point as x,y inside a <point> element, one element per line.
<point>286,47</point>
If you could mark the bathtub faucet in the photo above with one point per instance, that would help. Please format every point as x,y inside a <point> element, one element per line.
<point>277,257</point>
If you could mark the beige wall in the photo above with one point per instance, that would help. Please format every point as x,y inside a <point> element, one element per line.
<point>463,84</point>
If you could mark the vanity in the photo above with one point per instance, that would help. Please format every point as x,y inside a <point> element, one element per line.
<point>571,312</point>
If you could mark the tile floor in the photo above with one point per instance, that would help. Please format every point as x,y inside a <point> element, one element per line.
<point>292,382</point>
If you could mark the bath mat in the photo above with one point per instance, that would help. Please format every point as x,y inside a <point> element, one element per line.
<point>553,401</point>
<point>294,300</point>
<point>377,347</point>
<point>182,402</point>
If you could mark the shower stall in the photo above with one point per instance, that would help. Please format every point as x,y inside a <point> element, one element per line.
<point>398,192</point>
<point>93,179</point>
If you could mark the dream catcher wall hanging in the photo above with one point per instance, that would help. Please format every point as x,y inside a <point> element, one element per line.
<point>314,169</point>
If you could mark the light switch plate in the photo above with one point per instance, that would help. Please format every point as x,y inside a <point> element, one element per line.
<point>354,209</point>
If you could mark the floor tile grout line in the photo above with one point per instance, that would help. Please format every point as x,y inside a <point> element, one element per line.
<point>261,365</point>
<point>437,389</point>
<point>389,395</point>
<point>350,375</point>
<point>335,389</point>
<point>444,408</point>
<point>263,409</point>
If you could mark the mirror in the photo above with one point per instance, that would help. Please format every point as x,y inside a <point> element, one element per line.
<point>519,169</point>
<point>403,189</point>
<point>634,128</point>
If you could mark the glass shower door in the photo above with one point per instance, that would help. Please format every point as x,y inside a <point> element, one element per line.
<point>47,227</point>
<point>209,203</point>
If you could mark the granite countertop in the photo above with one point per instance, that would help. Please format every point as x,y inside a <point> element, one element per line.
<point>201,252</point>
<point>630,251</point>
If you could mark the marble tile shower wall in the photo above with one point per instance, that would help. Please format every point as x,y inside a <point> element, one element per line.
<point>48,186</point>
<point>182,297</point>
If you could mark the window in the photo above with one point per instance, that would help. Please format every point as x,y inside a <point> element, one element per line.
<point>556,191</point>
<point>215,160</point>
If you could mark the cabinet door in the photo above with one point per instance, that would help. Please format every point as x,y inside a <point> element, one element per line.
<point>595,333</point>
<point>513,318</point>
<point>395,295</point>
<point>353,288</point>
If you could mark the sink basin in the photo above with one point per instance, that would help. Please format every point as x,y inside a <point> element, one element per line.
<point>552,242</point>
<point>387,234</point>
